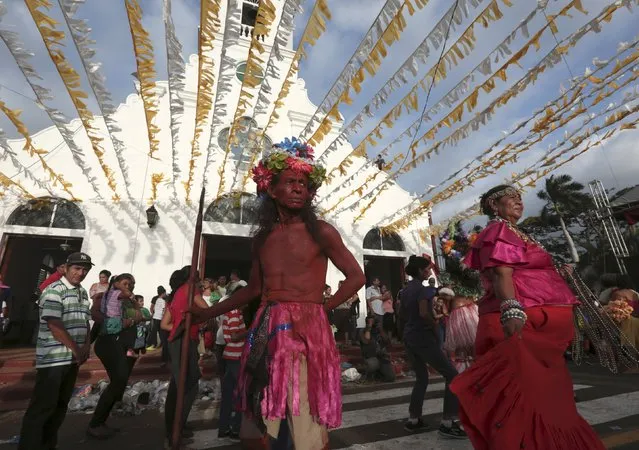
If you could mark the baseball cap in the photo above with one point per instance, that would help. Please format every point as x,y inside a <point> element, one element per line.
<point>80,259</point>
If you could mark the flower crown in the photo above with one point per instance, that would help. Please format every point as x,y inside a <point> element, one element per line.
<point>288,154</point>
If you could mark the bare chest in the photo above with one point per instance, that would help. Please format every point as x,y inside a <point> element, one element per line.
<point>291,250</point>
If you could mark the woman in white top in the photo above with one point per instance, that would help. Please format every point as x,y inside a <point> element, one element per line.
<point>375,302</point>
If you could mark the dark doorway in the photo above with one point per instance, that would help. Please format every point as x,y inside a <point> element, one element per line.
<point>225,253</point>
<point>390,271</point>
<point>26,261</point>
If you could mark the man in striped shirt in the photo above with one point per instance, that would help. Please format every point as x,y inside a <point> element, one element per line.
<point>234,332</point>
<point>63,345</point>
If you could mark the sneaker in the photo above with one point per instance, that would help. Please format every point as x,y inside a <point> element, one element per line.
<point>416,426</point>
<point>453,432</point>
<point>101,432</point>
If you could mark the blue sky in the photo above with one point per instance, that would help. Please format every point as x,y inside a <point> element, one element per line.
<point>613,163</point>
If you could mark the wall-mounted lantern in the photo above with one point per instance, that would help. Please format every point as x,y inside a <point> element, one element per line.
<point>152,216</point>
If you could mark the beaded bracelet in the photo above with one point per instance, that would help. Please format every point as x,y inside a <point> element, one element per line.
<point>513,313</point>
<point>510,303</point>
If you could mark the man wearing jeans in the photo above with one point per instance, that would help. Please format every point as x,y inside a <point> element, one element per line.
<point>422,346</point>
<point>63,345</point>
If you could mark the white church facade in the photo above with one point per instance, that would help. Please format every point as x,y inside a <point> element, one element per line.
<point>117,235</point>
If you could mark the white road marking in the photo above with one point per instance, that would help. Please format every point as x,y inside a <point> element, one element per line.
<point>208,438</point>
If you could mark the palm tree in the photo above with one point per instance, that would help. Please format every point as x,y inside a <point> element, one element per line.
<point>564,199</point>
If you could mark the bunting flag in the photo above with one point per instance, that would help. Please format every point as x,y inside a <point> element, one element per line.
<point>458,9</point>
<point>549,60</point>
<point>353,76</point>
<point>535,177</point>
<point>8,183</point>
<point>574,138</point>
<point>176,74</point>
<point>54,42</point>
<point>57,179</point>
<point>434,40</point>
<point>22,56</point>
<point>7,152</point>
<point>360,190</point>
<point>80,34</point>
<point>225,80</point>
<point>501,51</point>
<point>145,63</point>
<point>487,86</point>
<point>283,33</point>
<point>348,181</point>
<point>586,115</point>
<point>209,26</point>
<point>550,118</point>
<point>314,29</point>
<point>551,121</point>
<point>156,179</point>
<point>536,169</point>
<point>266,14</point>
<point>470,101</point>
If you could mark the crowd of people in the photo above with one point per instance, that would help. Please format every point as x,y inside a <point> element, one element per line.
<point>113,320</point>
<point>502,357</point>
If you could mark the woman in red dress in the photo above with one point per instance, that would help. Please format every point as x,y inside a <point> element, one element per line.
<point>519,393</point>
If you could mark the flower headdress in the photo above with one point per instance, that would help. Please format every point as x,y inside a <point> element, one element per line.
<point>288,154</point>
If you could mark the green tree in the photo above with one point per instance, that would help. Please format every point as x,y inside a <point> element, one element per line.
<point>565,199</point>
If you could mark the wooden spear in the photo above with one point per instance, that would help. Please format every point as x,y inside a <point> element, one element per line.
<point>184,354</point>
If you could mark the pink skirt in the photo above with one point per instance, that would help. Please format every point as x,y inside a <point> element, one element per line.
<point>461,330</point>
<point>295,331</point>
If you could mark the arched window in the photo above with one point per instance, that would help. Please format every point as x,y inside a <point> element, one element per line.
<point>245,142</point>
<point>374,240</point>
<point>48,212</point>
<point>240,71</point>
<point>232,208</point>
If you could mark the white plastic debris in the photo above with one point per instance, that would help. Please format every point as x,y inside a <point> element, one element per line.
<point>351,375</point>
<point>138,396</point>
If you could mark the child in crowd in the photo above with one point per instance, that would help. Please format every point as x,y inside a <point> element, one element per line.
<point>134,309</point>
<point>234,332</point>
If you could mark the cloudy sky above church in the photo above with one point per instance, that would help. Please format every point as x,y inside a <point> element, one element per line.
<point>612,163</point>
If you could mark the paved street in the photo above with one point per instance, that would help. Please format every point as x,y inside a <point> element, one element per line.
<point>373,416</point>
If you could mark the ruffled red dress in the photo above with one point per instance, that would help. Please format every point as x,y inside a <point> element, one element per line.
<point>519,393</point>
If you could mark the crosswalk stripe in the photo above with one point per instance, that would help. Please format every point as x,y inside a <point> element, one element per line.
<point>390,412</point>
<point>360,397</point>
<point>388,393</point>
<point>347,399</point>
<point>601,410</point>
<point>401,392</point>
<point>359,417</point>
<point>608,409</point>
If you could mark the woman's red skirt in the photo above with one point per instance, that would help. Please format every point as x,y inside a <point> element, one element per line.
<point>519,393</point>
